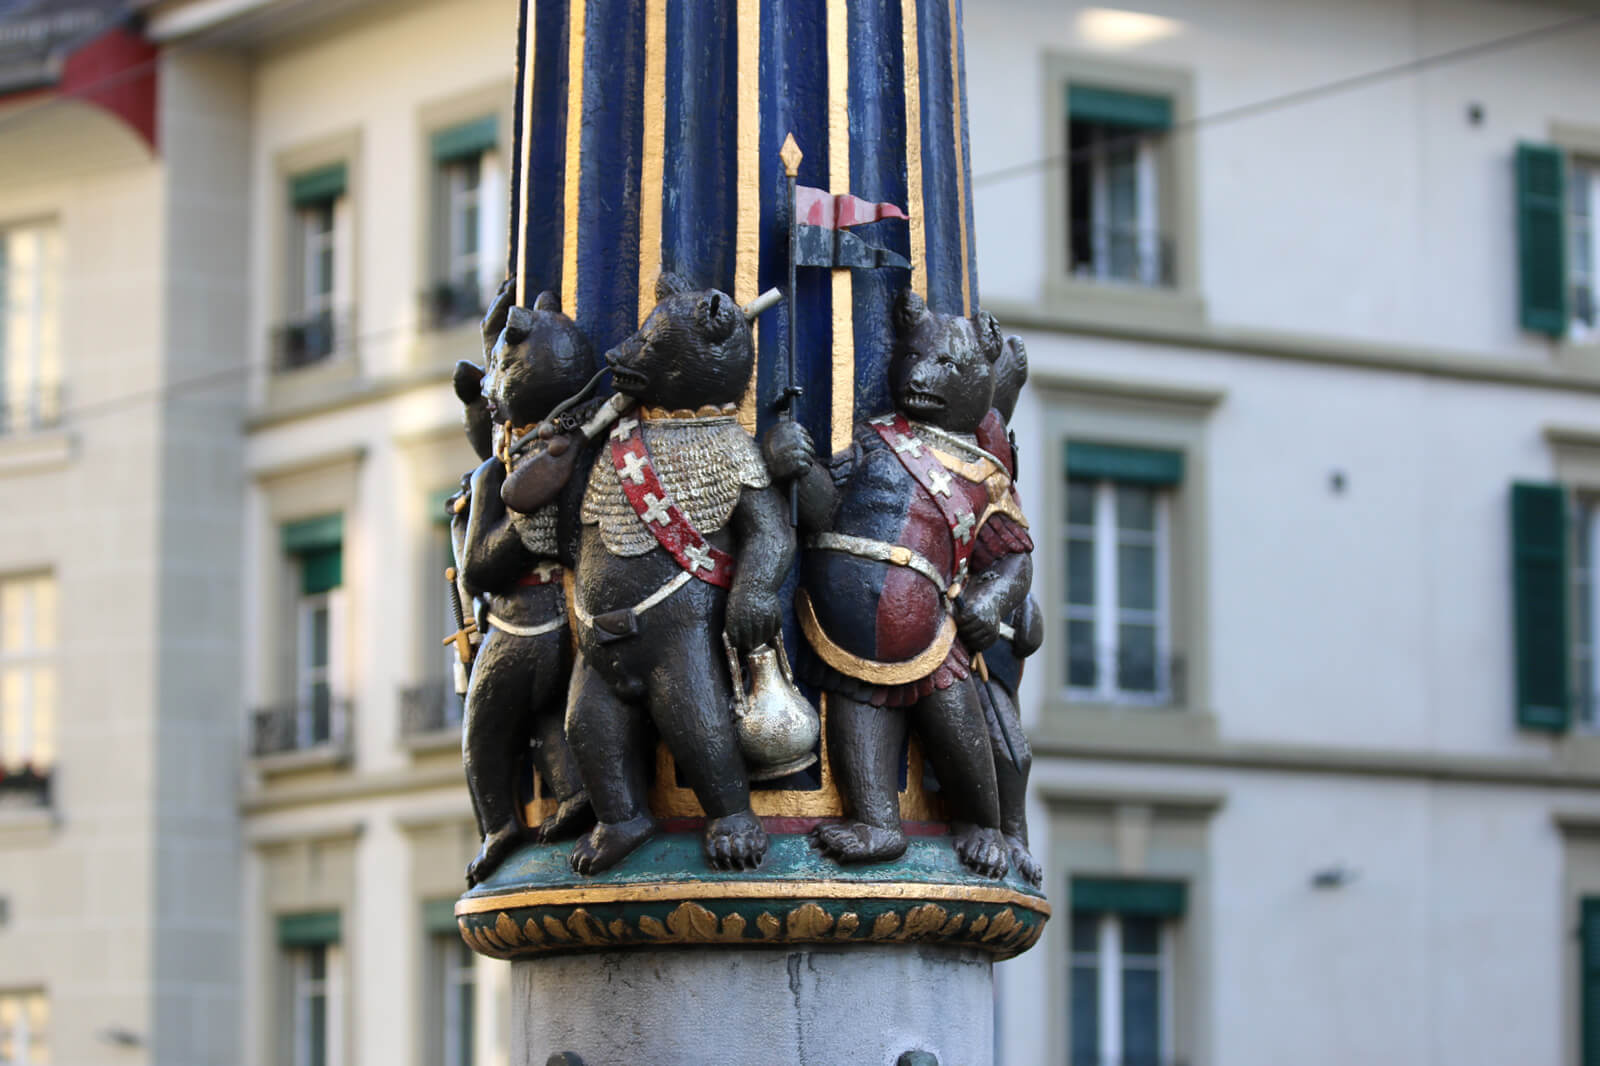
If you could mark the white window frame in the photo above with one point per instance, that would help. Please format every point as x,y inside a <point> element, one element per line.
<point>484,265</point>
<point>30,325</point>
<point>303,990</point>
<point>1109,964</point>
<point>308,676</point>
<point>27,1040</point>
<point>35,739</point>
<point>1106,613</point>
<point>452,973</point>
<point>1583,170</point>
<point>1147,211</point>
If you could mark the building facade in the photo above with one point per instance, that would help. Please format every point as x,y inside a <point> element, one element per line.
<point>1311,452</point>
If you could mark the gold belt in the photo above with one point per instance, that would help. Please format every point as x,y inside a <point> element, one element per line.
<point>871,670</point>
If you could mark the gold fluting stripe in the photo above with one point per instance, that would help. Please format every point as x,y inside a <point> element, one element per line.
<point>655,152</point>
<point>919,225</point>
<point>569,240</point>
<point>530,38</point>
<point>747,242</point>
<point>667,891</point>
<point>844,369</point>
<point>957,109</point>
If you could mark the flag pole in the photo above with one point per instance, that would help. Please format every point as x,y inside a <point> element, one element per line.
<point>791,156</point>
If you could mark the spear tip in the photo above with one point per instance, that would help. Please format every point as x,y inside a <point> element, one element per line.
<point>791,156</point>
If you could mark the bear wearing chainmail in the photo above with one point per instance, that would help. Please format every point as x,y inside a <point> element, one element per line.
<point>917,554</point>
<point>511,569</point>
<point>684,540</point>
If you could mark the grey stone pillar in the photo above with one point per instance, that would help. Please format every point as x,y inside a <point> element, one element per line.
<point>805,1006</point>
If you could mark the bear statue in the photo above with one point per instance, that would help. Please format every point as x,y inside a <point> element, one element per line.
<point>511,568</point>
<point>917,555</point>
<point>1001,663</point>
<point>684,542</point>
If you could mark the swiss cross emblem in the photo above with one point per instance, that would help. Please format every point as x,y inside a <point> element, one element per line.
<point>624,429</point>
<point>632,468</point>
<point>699,557</point>
<point>908,446</point>
<point>655,510</point>
<point>939,483</point>
<point>963,526</point>
<point>547,570</point>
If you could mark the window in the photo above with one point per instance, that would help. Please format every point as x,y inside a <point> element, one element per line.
<point>30,343</point>
<point>434,706</point>
<point>469,194</point>
<point>24,1029</point>
<point>1117,166</point>
<point>313,1028</point>
<point>1122,972</point>
<point>319,287</point>
<point>453,994</point>
<point>1583,240</point>
<point>27,679</point>
<point>1117,610</point>
<point>316,713</point>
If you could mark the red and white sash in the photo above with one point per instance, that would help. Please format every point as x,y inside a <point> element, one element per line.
<point>660,515</point>
<point>936,481</point>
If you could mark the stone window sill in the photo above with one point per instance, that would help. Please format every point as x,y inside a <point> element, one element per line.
<point>27,826</point>
<point>32,453</point>
<point>1092,725</point>
<point>321,757</point>
<point>1124,304</point>
<point>435,740</point>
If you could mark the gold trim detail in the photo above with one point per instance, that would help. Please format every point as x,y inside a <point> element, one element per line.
<point>961,168</point>
<point>913,92</point>
<point>692,923</point>
<point>747,243</point>
<point>524,180</point>
<point>844,375</point>
<point>569,251</point>
<point>870,670</point>
<point>653,158</point>
<point>671,891</point>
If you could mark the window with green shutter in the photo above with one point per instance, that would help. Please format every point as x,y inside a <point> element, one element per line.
<point>1542,238</point>
<point>1539,592</point>
<point>1589,980</point>
<point>309,929</point>
<point>1122,970</point>
<point>317,546</point>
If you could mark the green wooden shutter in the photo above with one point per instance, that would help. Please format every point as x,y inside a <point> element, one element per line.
<point>1126,895</point>
<point>309,930</point>
<point>1117,462</point>
<point>318,545</point>
<point>316,186</point>
<point>1117,107</point>
<point>1542,238</point>
<point>1589,980</point>
<point>1539,593</point>
<point>439,916</point>
<point>466,140</point>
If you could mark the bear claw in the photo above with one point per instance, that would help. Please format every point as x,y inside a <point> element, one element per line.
<point>736,842</point>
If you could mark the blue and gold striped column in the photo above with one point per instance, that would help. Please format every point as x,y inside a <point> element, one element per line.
<point>647,138</point>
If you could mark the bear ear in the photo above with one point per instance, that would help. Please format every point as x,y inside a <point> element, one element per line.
<point>468,381</point>
<point>909,309</point>
<point>1016,359</point>
<point>719,316</point>
<point>547,301</point>
<point>671,283</point>
<point>990,341</point>
<point>519,323</point>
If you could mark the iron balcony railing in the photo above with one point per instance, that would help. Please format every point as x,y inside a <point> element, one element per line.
<point>429,708</point>
<point>449,303</point>
<point>1125,675</point>
<point>312,339</point>
<point>320,724</point>
<point>30,408</point>
<point>1131,254</point>
<point>24,786</point>
<point>1126,1060</point>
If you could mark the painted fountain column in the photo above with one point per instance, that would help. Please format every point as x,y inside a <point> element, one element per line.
<point>651,201</point>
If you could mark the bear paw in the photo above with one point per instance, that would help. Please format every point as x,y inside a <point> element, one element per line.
<point>859,842</point>
<point>736,842</point>
<point>1024,863</point>
<point>983,851</point>
<point>608,843</point>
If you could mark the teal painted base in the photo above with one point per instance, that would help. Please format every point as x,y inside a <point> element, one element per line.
<point>664,894</point>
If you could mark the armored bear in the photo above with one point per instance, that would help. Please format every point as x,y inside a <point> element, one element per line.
<point>1000,666</point>
<point>917,552</point>
<point>684,539</point>
<point>511,566</point>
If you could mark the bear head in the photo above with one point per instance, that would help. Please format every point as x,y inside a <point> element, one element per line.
<point>1010,374</point>
<point>694,349</point>
<point>468,383</point>
<point>943,368</point>
<point>540,359</point>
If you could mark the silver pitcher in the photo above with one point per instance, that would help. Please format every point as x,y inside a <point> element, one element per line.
<point>777,727</point>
